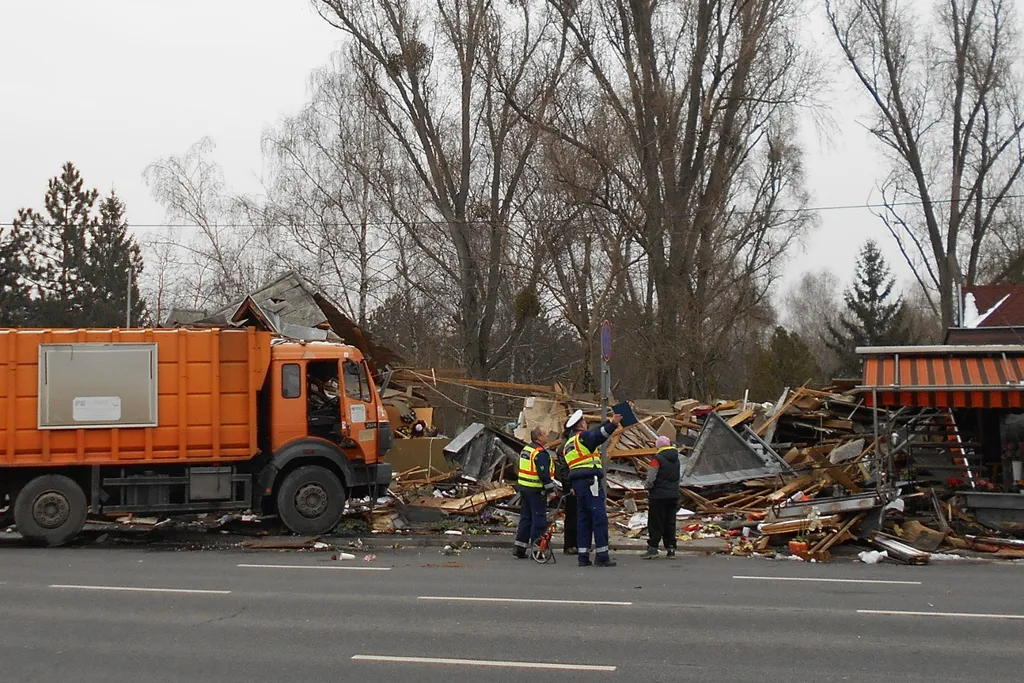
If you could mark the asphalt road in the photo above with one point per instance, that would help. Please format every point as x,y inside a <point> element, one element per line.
<point>78,615</point>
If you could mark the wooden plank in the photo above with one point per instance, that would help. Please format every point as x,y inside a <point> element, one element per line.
<point>791,488</point>
<point>796,525</point>
<point>728,498</point>
<point>614,441</point>
<point>703,504</point>
<point>432,377</point>
<point>742,417</point>
<point>796,456</point>
<point>793,397</point>
<point>472,505</point>
<point>632,453</point>
<point>835,472</point>
<point>808,403</point>
<point>828,542</point>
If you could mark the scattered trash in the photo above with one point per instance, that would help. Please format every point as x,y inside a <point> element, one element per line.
<point>899,505</point>
<point>369,558</point>
<point>872,556</point>
<point>638,521</point>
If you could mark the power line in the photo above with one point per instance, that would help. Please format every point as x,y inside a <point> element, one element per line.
<point>396,223</point>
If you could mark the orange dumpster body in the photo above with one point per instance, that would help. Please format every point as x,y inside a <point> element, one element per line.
<point>166,421</point>
<point>207,382</point>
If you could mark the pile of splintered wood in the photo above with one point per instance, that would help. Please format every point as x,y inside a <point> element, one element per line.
<point>825,438</point>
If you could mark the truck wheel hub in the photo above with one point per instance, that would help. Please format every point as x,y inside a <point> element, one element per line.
<point>51,509</point>
<point>311,500</point>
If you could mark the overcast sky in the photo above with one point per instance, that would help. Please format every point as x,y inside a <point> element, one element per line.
<point>113,85</point>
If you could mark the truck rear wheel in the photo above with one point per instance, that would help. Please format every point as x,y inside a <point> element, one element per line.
<point>311,500</point>
<point>50,510</point>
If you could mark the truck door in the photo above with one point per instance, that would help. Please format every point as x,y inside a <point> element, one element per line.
<point>360,412</point>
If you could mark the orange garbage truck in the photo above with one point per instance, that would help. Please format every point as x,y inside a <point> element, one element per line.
<point>180,421</point>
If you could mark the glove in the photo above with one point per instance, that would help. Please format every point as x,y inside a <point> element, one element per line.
<point>549,487</point>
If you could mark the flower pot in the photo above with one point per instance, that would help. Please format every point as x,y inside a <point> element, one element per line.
<point>798,547</point>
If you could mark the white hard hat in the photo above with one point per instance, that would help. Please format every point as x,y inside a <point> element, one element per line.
<point>574,419</point>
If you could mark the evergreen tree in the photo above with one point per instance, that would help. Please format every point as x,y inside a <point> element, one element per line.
<point>57,248</point>
<point>872,317</point>
<point>15,274</point>
<point>112,254</point>
<point>786,362</point>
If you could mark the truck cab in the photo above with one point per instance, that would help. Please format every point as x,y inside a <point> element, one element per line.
<point>324,415</point>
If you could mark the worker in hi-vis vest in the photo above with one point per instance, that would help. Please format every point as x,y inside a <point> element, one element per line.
<point>587,474</point>
<point>534,484</point>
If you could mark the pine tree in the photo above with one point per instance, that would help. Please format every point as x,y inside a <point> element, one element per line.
<point>112,254</point>
<point>786,362</point>
<point>872,317</point>
<point>15,275</point>
<point>57,248</point>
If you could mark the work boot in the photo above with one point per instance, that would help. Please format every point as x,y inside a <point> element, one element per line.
<point>650,554</point>
<point>572,550</point>
<point>606,563</point>
<point>671,553</point>
<point>585,560</point>
<point>519,554</point>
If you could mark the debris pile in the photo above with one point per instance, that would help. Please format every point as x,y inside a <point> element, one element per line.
<point>803,475</point>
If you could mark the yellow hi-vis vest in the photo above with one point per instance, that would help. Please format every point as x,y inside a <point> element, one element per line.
<point>579,457</point>
<point>528,476</point>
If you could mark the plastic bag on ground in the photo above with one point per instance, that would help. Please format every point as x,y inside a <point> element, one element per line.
<point>872,556</point>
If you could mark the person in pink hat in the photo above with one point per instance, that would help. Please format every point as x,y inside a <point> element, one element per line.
<point>662,499</point>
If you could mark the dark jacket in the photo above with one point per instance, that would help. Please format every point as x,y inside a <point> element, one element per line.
<point>663,475</point>
<point>592,440</point>
<point>562,471</point>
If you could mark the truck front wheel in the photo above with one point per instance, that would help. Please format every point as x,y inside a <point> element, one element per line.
<point>311,500</point>
<point>50,510</point>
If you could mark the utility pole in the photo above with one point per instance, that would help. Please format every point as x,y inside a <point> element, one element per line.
<point>606,388</point>
<point>128,297</point>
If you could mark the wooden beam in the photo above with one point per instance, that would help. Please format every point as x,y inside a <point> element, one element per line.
<point>834,471</point>
<point>830,541</point>
<point>740,418</point>
<point>427,379</point>
<point>632,453</point>
<point>793,397</point>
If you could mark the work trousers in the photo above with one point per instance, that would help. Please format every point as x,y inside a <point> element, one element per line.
<point>661,522</point>
<point>592,523</point>
<point>571,512</point>
<point>533,520</point>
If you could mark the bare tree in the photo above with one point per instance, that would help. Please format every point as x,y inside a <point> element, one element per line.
<point>322,193</point>
<point>222,246</point>
<point>426,74</point>
<point>812,306</point>
<point>948,113</point>
<point>684,110</point>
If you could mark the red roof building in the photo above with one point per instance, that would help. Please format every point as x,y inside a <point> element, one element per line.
<point>990,314</point>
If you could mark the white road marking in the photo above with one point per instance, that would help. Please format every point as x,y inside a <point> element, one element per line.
<point>536,601</point>
<point>964,615</point>
<point>482,662</point>
<point>794,578</point>
<point>312,566</point>
<point>137,589</point>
